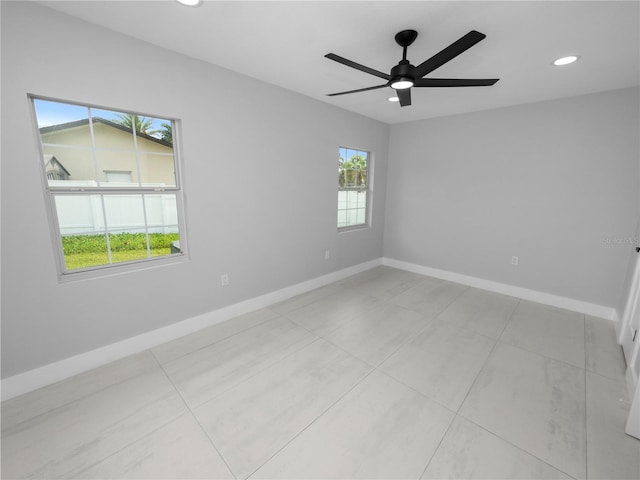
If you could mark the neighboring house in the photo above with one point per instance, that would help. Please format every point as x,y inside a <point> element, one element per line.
<point>69,154</point>
<point>54,169</point>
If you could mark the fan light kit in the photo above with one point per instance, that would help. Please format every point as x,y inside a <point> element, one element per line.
<point>402,83</point>
<point>404,75</point>
<point>190,3</point>
<point>566,60</point>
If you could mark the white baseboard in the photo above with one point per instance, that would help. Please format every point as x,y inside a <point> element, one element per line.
<point>68,367</point>
<point>526,294</point>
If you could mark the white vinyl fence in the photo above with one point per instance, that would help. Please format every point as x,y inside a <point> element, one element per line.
<point>132,213</point>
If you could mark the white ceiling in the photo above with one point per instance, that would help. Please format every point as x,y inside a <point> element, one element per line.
<point>284,43</point>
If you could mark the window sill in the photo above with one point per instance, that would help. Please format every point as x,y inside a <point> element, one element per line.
<point>353,228</point>
<point>120,269</point>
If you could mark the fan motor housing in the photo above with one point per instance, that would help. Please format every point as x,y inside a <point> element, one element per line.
<point>403,69</point>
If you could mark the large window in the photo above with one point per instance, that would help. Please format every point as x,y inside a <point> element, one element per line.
<point>353,188</point>
<point>112,183</point>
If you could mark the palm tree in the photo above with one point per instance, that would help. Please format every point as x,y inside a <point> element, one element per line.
<point>342,180</point>
<point>141,124</point>
<point>166,132</point>
<point>360,168</point>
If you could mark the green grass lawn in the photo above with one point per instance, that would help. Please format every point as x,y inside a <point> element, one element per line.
<point>83,251</point>
<point>83,260</point>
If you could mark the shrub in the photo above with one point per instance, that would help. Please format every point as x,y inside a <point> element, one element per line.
<point>120,242</point>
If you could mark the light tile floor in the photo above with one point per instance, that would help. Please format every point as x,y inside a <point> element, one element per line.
<point>386,374</point>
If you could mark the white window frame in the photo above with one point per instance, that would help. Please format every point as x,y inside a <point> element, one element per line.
<point>368,190</point>
<point>103,191</point>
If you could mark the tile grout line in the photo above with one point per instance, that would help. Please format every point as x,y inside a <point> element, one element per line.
<point>486,360</point>
<point>76,399</point>
<point>483,367</point>
<point>510,319</point>
<point>582,366</point>
<point>418,332</point>
<point>620,378</point>
<point>531,351</point>
<point>126,446</point>
<point>364,377</point>
<point>456,414</point>
<point>611,379</point>
<point>586,423</point>
<point>215,341</point>
<point>413,389</point>
<point>426,467</point>
<point>263,369</point>
<point>514,445</point>
<point>388,302</point>
<point>145,435</point>
<point>498,340</point>
<point>193,416</point>
<point>410,337</point>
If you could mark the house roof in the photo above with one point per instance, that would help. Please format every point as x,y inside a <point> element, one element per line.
<point>109,123</point>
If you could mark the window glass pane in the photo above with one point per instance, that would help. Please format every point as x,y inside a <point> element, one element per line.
<point>128,245</point>
<point>84,242</point>
<point>162,220</point>
<point>63,124</point>
<point>158,128</point>
<point>349,217</point>
<point>164,244</point>
<point>164,129</point>
<point>342,218</point>
<point>162,212</point>
<point>124,212</point>
<point>69,166</point>
<point>342,200</point>
<point>113,130</point>
<point>85,251</point>
<point>158,169</point>
<point>79,214</point>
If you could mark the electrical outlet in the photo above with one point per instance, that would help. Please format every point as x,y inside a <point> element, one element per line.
<point>514,260</point>
<point>224,279</point>
<point>327,254</point>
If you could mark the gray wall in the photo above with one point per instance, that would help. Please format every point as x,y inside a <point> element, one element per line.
<point>550,182</point>
<point>249,149</point>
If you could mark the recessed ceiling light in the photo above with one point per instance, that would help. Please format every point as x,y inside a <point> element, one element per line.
<point>190,3</point>
<point>566,60</point>
<point>393,99</point>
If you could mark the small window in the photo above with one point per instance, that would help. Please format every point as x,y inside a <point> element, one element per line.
<point>353,188</point>
<point>112,184</point>
<point>118,177</point>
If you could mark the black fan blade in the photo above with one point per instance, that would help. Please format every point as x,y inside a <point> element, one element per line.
<point>356,91</point>
<point>357,66</point>
<point>404,95</point>
<point>455,82</point>
<point>449,53</point>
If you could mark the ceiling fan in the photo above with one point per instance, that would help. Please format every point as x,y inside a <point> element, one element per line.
<point>404,75</point>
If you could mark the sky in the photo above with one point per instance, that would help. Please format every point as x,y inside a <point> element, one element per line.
<point>54,113</point>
